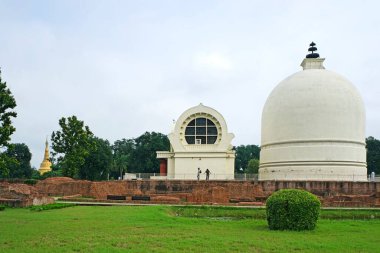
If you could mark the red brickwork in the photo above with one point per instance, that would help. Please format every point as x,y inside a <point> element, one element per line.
<point>22,195</point>
<point>353,194</point>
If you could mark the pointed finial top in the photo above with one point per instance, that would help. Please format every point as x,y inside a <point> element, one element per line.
<point>311,49</point>
<point>312,60</point>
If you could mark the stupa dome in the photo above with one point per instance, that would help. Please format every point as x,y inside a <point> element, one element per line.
<point>313,128</point>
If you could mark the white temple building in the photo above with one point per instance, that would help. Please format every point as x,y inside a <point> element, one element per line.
<point>313,127</point>
<point>200,139</point>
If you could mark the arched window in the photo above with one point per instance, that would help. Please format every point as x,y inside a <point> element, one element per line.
<point>201,131</point>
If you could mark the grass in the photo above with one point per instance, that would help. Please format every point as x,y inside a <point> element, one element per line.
<point>165,229</point>
<point>50,206</point>
<point>260,213</point>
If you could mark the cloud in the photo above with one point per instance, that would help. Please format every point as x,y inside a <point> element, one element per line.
<point>127,67</point>
<point>212,61</point>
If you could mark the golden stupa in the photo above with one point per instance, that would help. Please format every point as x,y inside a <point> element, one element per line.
<point>46,164</point>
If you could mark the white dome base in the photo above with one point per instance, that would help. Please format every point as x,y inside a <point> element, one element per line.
<point>301,160</point>
<point>314,172</point>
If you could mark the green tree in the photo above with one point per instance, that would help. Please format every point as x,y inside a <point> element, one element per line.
<point>138,155</point>
<point>7,104</point>
<point>22,168</point>
<point>244,154</point>
<point>143,157</point>
<point>36,174</point>
<point>73,143</point>
<point>123,150</point>
<point>98,163</point>
<point>373,155</point>
<point>253,166</point>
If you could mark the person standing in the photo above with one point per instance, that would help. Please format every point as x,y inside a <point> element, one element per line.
<point>207,174</point>
<point>199,173</point>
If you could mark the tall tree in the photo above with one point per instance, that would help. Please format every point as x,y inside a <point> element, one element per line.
<point>98,163</point>
<point>73,143</point>
<point>7,104</point>
<point>139,155</point>
<point>144,156</point>
<point>123,151</point>
<point>244,154</point>
<point>22,168</point>
<point>253,166</point>
<point>373,155</point>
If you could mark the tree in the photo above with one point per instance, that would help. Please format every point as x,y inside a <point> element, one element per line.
<point>53,173</point>
<point>74,142</point>
<point>22,168</point>
<point>253,166</point>
<point>139,155</point>
<point>373,155</point>
<point>98,163</point>
<point>7,104</point>
<point>244,154</point>
<point>123,150</point>
<point>36,174</point>
<point>144,158</point>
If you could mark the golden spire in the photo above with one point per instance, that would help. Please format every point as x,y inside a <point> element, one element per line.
<point>46,156</point>
<point>46,164</point>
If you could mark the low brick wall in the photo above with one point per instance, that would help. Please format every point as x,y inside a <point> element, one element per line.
<point>64,186</point>
<point>22,195</point>
<point>349,194</point>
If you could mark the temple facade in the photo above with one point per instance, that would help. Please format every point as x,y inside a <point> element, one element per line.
<point>199,140</point>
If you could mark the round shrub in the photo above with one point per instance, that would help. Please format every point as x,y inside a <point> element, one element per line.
<point>2,207</point>
<point>292,209</point>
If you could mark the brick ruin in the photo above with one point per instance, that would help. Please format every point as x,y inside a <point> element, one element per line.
<point>22,195</point>
<point>243,193</point>
<point>331,194</point>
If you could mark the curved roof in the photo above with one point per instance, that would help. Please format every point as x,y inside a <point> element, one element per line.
<point>177,136</point>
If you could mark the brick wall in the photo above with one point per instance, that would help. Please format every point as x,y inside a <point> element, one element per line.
<point>353,194</point>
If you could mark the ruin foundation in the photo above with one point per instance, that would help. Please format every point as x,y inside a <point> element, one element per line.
<point>22,195</point>
<point>331,194</point>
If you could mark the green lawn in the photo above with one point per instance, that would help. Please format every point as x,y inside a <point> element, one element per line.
<point>164,229</point>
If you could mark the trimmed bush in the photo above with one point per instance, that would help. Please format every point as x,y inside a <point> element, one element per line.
<point>292,209</point>
<point>2,207</point>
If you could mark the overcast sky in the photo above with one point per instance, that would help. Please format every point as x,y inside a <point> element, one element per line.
<point>126,67</point>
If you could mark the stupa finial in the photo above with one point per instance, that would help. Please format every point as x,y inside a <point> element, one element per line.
<point>312,60</point>
<point>311,49</point>
<point>46,164</point>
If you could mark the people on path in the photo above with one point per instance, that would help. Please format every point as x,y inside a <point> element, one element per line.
<point>199,173</point>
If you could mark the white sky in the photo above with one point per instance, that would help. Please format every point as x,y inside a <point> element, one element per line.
<point>126,67</point>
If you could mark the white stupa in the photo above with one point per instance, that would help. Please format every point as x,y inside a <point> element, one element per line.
<point>313,127</point>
